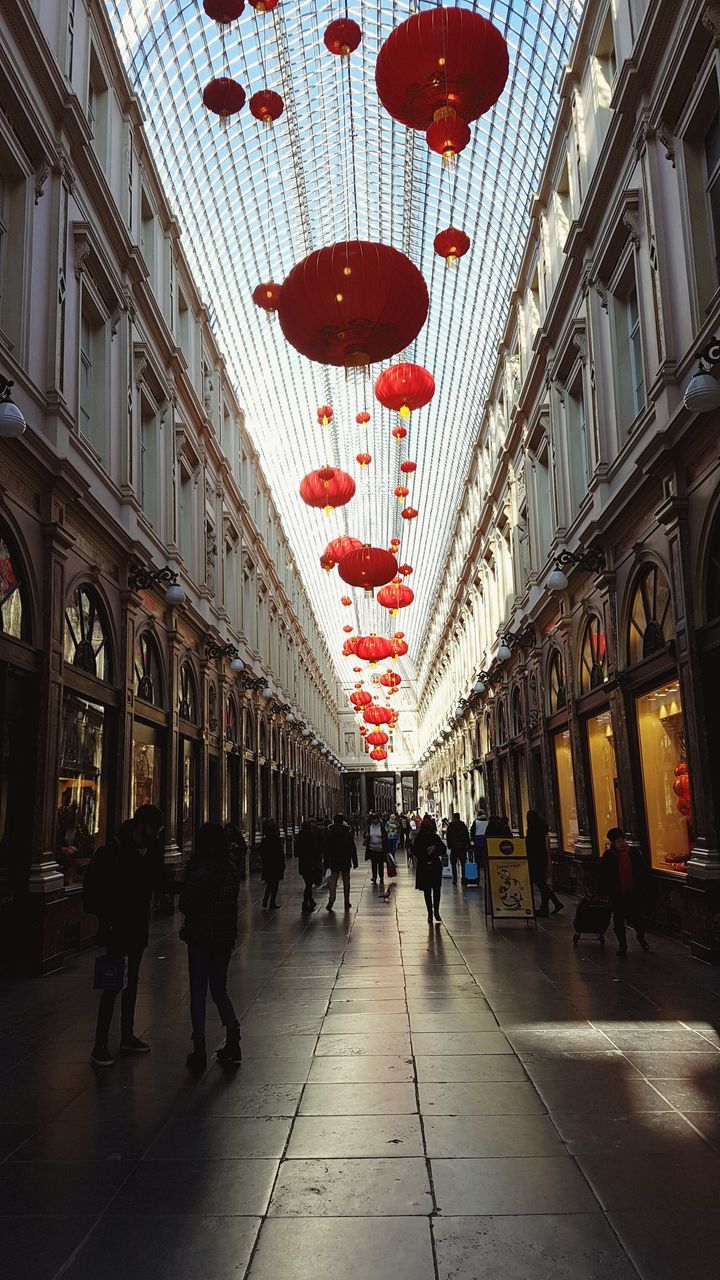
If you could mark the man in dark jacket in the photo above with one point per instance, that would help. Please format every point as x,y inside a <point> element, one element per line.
<point>339,854</point>
<point>623,873</point>
<point>118,889</point>
<point>458,843</point>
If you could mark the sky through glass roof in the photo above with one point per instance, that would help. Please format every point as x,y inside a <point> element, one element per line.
<point>252,201</point>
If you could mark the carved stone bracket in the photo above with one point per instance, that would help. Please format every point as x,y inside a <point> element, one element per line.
<point>42,173</point>
<point>711,20</point>
<point>601,292</point>
<point>631,220</point>
<point>83,246</point>
<point>666,140</point>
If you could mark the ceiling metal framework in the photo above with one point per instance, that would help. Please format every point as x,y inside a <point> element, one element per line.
<point>253,200</point>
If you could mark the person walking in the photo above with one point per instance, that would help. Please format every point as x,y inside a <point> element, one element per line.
<point>339,855</point>
<point>376,847</point>
<point>392,827</point>
<point>622,879</point>
<point>118,888</point>
<point>428,850</point>
<point>273,863</point>
<point>310,863</point>
<point>458,843</point>
<point>413,828</point>
<point>537,843</point>
<point>209,902</point>
<point>477,832</point>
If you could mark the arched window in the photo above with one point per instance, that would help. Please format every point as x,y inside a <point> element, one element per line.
<point>712,578</point>
<point>593,655</point>
<point>501,726</point>
<point>557,693</point>
<point>188,700</point>
<point>86,646</point>
<point>148,672</point>
<point>516,713</point>
<point>231,721</point>
<point>14,614</point>
<point>249,732</point>
<point>650,621</point>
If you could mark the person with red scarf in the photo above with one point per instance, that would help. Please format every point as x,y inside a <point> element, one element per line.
<point>622,876</point>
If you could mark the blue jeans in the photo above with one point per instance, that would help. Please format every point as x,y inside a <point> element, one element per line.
<point>208,967</point>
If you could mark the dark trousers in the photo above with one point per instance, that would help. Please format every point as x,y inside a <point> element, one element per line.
<point>334,877</point>
<point>308,899</point>
<point>128,999</point>
<point>547,894</point>
<point>378,868</point>
<point>457,856</point>
<point>432,898</point>
<point>271,888</point>
<point>207,967</point>
<point>622,908</point>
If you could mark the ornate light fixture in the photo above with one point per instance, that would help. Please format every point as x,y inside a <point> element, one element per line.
<point>141,578</point>
<point>12,422</point>
<point>215,650</point>
<point>592,561</point>
<point>703,390</point>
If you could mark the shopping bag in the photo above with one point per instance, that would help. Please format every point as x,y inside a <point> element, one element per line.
<point>110,973</point>
<point>391,865</point>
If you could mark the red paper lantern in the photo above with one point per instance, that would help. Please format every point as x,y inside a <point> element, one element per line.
<point>346,601</point>
<point>441,58</point>
<point>267,296</point>
<point>378,753</point>
<point>399,433</point>
<point>448,136</point>
<point>405,570</point>
<point>362,418</point>
<point>367,567</point>
<point>357,670</point>
<point>395,596</point>
<point>353,303</point>
<point>361,699</point>
<point>451,245</point>
<point>224,11</point>
<point>394,542</point>
<point>264,6</point>
<point>224,97</point>
<point>342,37</point>
<point>373,649</point>
<point>327,488</point>
<point>404,387</point>
<point>347,628</point>
<point>401,491</point>
<point>364,459</point>
<point>339,547</point>
<point>325,415</point>
<point>408,468</point>
<point>391,679</point>
<point>398,648</point>
<point>349,648</point>
<point>377,738</point>
<point>376,715</point>
<point>408,513</point>
<point>267,106</point>
<point>327,563</point>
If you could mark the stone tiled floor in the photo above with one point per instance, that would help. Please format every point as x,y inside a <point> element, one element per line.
<point>415,1103</point>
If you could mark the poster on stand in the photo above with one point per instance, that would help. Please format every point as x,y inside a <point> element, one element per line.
<point>508,893</point>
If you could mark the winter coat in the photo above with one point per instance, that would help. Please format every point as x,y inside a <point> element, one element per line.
<point>118,889</point>
<point>457,835</point>
<point>536,843</point>
<point>273,859</point>
<point>609,879</point>
<point>378,854</point>
<point>339,847</point>
<point>209,902</point>
<point>307,850</point>
<point>428,851</point>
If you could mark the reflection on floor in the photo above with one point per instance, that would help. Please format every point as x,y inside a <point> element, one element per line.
<point>415,1103</point>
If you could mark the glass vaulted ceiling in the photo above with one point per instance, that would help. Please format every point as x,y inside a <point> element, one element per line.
<point>252,201</point>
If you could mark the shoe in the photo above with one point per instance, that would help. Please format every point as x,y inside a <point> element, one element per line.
<point>429,919</point>
<point>374,881</point>
<point>559,906</point>
<point>197,1060</point>
<point>264,904</point>
<point>438,917</point>
<point>230,1052</point>
<point>348,906</point>
<point>274,906</point>
<point>101,1057</point>
<point>134,1044</point>
<point>328,906</point>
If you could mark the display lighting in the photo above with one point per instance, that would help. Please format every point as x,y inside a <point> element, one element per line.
<point>324,415</point>
<point>404,387</point>
<point>12,422</point>
<point>224,97</point>
<point>342,37</point>
<point>364,459</point>
<point>362,418</point>
<point>327,488</point>
<point>266,296</point>
<point>451,244</point>
<point>396,596</point>
<point>409,513</point>
<point>266,106</point>
<point>368,567</point>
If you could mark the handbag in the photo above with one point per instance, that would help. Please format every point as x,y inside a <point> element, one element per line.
<point>391,865</point>
<point>110,974</point>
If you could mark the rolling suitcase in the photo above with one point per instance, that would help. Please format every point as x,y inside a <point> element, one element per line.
<point>472,873</point>
<point>593,915</point>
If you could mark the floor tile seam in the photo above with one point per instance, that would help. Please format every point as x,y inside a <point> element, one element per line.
<point>701,1034</point>
<point>42,1127</point>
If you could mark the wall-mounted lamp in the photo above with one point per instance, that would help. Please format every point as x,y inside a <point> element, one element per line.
<point>141,578</point>
<point>12,422</point>
<point>592,561</point>
<point>702,394</point>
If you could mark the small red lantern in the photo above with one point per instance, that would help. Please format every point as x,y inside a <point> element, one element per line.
<point>408,468</point>
<point>264,6</point>
<point>224,11</point>
<point>448,136</point>
<point>364,459</point>
<point>451,245</point>
<point>346,601</point>
<point>367,567</point>
<point>362,418</point>
<point>348,629</point>
<point>399,433</point>
<point>339,547</point>
<point>405,570</point>
<point>327,563</point>
<point>361,699</point>
<point>327,488</point>
<point>324,415</point>
<point>404,387</point>
<point>224,97</point>
<point>391,679</point>
<point>266,296</point>
<point>394,542</point>
<point>378,753</point>
<point>342,37</point>
<point>398,647</point>
<point>373,649</point>
<point>409,513</point>
<point>267,106</point>
<point>401,491</point>
<point>395,596</point>
<point>377,738</point>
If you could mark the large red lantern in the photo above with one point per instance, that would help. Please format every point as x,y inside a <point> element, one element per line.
<point>267,106</point>
<point>448,136</point>
<point>264,6</point>
<point>398,648</point>
<point>390,679</point>
<point>342,37</point>
<point>361,699</point>
<point>353,303</point>
<point>339,547</point>
<point>377,738</point>
<point>266,296</point>
<point>451,245</point>
<point>224,11</point>
<point>224,97</point>
<point>372,649</point>
<point>376,715</point>
<point>404,387</point>
<point>368,567</point>
<point>327,488</point>
<point>409,513</point>
<point>378,753</point>
<point>395,596</point>
<point>439,59</point>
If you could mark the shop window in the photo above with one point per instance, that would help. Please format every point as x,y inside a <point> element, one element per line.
<point>80,817</point>
<point>557,692</point>
<point>701,155</point>
<point>516,715</point>
<point>148,672</point>
<point>603,774</point>
<point>97,109</point>
<point>149,463</point>
<point>576,440</point>
<point>604,71</point>
<point>92,415</point>
<point>147,764</point>
<point>273,745</point>
<point>565,776</point>
<point>593,656</point>
<point>628,349</point>
<point>231,722</point>
<point>86,646</point>
<point>14,615</point>
<point>650,624</point>
<point>666,783</point>
<point>188,702</point>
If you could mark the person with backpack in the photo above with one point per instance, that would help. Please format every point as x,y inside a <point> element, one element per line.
<point>458,843</point>
<point>117,888</point>
<point>273,863</point>
<point>209,902</point>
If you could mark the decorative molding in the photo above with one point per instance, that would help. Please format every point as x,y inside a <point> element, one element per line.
<point>83,246</point>
<point>601,292</point>
<point>579,341</point>
<point>711,21</point>
<point>42,173</point>
<point>667,141</point>
<point>631,220</point>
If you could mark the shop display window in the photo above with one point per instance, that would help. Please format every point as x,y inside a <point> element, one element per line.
<point>557,692</point>
<point>566,790</point>
<point>603,775</point>
<point>146,777</point>
<point>80,815</point>
<point>593,656</point>
<point>187,795</point>
<point>11,601</point>
<point>666,783</point>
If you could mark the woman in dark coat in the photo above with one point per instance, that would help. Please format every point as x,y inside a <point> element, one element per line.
<point>273,863</point>
<point>537,843</point>
<point>428,850</point>
<point>309,856</point>
<point>209,902</point>
<point>623,873</point>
